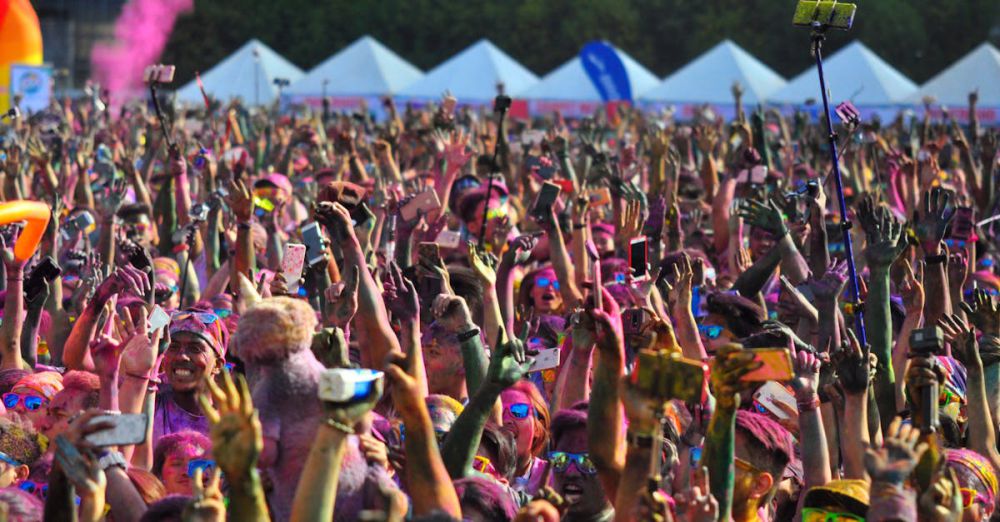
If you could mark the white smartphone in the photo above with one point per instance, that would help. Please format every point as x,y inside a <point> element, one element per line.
<point>545,360</point>
<point>128,429</point>
<point>424,202</point>
<point>771,393</point>
<point>158,319</point>
<point>449,239</point>
<point>291,265</point>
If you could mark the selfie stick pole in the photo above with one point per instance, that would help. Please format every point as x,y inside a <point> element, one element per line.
<point>159,113</point>
<point>817,44</point>
<point>501,109</point>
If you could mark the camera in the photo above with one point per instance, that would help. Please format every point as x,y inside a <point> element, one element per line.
<point>198,212</point>
<point>348,384</point>
<point>926,342</point>
<point>501,104</point>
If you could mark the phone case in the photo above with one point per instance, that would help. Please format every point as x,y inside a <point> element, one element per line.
<point>313,238</point>
<point>545,360</point>
<point>128,429</point>
<point>291,265</point>
<point>772,392</point>
<point>777,365</point>
<point>424,202</point>
<point>158,319</point>
<point>449,239</point>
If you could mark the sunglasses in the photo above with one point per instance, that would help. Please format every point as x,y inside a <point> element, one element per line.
<point>31,402</point>
<point>7,459</point>
<point>483,465</point>
<point>747,467</point>
<point>223,313</point>
<point>953,243</point>
<point>37,489</point>
<point>710,331</point>
<point>520,410</point>
<point>947,397</point>
<point>822,515</point>
<point>971,496</point>
<point>438,434</point>
<point>203,317</point>
<point>561,460</point>
<point>544,282</point>
<point>759,408</point>
<point>205,465</point>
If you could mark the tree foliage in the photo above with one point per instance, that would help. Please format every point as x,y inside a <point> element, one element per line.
<point>919,37</point>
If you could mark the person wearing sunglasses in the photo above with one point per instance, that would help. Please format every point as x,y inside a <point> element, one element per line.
<point>31,395</point>
<point>138,226</point>
<point>573,473</point>
<point>541,289</point>
<point>173,456</point>
<point>977,482</point>
<point>527,416</point>
<point>197,349</point>
<point>730,317</point>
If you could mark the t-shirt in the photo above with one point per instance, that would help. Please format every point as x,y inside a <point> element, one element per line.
<point>169,418</point>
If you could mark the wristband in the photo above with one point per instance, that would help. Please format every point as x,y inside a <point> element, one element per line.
<point>465,336</point>
<point>936,260</point>
<point>810,404</point>
<point>112,459</point>
<point>339,426</point>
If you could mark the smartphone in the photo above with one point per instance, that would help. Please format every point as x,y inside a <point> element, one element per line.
<point>777,365</point>
<point>632,320</point>
<point>424,202</point>
<point>545,360</point>
<point>962,225</point>
<point>637,254</point>
<point>340,385</point>
<point>159,318</point>
<point>829,13</point>
<point>128,429</point>
<point>671,376</point>
<point>45,271</point>
<point>429,252</point>
<point>847,112</point>
<point>771,393</point>
<point>449,239</point>
<point>80,223</point>
<point>292,263</point>
<point>159,74</point>
<point>595,274</point>
<point>545,199</point>
<point>312,236</point>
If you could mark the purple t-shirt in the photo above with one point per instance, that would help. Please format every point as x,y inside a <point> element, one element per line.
<point>169,418</point>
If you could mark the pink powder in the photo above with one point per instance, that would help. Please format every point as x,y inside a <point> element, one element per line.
<point>141,33</point>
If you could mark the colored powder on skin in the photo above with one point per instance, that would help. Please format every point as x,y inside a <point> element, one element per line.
<point>141,33</point>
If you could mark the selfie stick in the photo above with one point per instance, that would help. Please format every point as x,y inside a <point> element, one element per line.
<point>159,113</point>
<point>818,35</point>
<point>500,106</point>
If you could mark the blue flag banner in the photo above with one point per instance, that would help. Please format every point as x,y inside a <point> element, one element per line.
<point>606,70</point>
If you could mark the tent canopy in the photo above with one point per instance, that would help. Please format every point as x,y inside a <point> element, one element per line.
<point>570,81</point>
<point>472,75</point>
<point>364,68</point>
<point>853,73</point>
<point>248,73</point>
<point>979,69</point>
<point>709,78</point>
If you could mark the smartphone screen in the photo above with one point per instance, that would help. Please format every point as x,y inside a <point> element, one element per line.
<point>312,236</point>
<point>546,198</point>
<point>637,258</point>
<point>127,429</point>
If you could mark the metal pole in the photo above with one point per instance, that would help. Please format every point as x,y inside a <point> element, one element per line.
<point>818,37</point>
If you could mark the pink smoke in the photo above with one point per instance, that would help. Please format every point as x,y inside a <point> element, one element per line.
<point>141,33</point>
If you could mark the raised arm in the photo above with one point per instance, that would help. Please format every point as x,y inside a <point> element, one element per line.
<point>604,414</point>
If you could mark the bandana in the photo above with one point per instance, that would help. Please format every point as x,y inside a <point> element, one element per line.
<point>47,384</point>
<point>979,466</point>
<point>205,325</point>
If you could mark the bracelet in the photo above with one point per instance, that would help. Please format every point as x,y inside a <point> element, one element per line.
<point>465,336</point>
<point>936,260</point>
<point>153,380</point>
<point>810,404</point>
<point>339,426</point>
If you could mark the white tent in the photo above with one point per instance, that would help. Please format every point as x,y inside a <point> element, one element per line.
<point>709,78</point>
<point>248,73</point>
<point>977,70</point>
<point>364,68</point>
<point>853,73</point>
<point>570,81</point>
<point>472,76</point>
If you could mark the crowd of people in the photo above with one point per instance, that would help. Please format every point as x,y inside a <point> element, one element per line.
<point>624,316</point>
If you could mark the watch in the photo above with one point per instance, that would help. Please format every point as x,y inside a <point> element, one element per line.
<point>465,336</point>
<point>112,458</point>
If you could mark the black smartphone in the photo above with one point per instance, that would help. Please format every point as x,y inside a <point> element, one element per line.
<point>312,237</point>
<point>45,271</point>
<point>545,199</point>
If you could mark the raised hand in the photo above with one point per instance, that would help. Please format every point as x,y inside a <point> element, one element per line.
<point>124,280</point>
<point>519,249</point>
<point>806,381</point>
<point>337,220</point>
<point>86,476</point>
<point>240,200</point>
<point>140,349</point>
<point>508,364</point>
<point>897,457</point>
<point>911,291</point>
<point>934,218</point>
<point>942,500</point>
<point>234,426</point>
<point>885,238</point>
<point>962,338</point>
<point>731,363</point>
<point>111,198</point>
<point>766,216</point>
<point>697,503</point>
<point>853,365</point>
<point>483,264</point>
<point>342,299</point>
<point>983,312</point>
<point>831,285</point>
<point>400,295</point>
<point>207,502</point>
<point>452,313</point>
<point>456,151</point>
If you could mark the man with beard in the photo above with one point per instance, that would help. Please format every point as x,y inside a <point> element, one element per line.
<point>573,473</point>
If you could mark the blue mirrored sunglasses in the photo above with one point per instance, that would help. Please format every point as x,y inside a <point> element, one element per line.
<point>205,465</point>
<point>710,331</point>
<point>31,402</point>
<point>520,410</point>
<point>543,282</point>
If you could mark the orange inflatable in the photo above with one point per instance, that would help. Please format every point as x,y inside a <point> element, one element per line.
<point>37,216</point>
<point>20,41</point>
